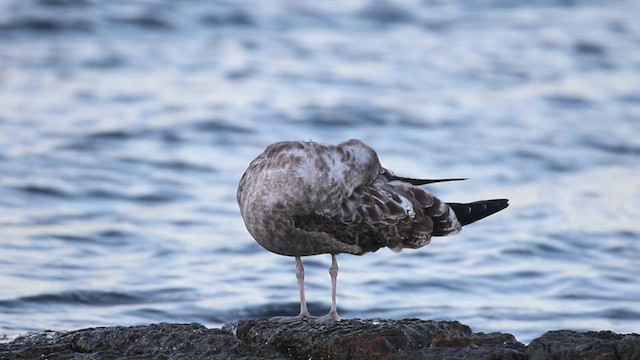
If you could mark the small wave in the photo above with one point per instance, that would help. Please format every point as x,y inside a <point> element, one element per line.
<point>449,286</point>
<point>356,115</point>
<point>145,21</point>
<point>104,138</point>
<point>97,298</point>
<point>568,101</point>
<point>586,295</point>
<point>617,148</point>
<point>155,197</point>
<point>219,126</point>
<point>589,48</point>
<point>45,25</point>
<point>629,98</point>
<point>129,98</point>
<point>544,159</point>
<point>111,135</point>
<point>110,237</point>
<point>44,190</point>
<point>233,18</point>
<point>61,3</point>
<point>79,297</point>
<point>71,238</point>
<point>109,61</point>
<point>383,12</point>
<point>620,314</point>
<point>179,165</point>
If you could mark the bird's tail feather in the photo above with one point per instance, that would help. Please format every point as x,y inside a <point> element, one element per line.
<point>472,212</point>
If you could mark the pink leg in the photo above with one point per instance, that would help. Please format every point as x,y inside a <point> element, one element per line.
<point>333,312</point>
<point>304,312</point>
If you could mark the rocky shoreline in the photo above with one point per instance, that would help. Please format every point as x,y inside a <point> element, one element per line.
<point>346,339</point>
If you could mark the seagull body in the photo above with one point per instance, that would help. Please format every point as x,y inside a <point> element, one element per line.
<point>302,198</point>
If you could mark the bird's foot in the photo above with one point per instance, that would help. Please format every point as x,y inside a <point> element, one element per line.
<point>292,319</point>
<point>330,317</point>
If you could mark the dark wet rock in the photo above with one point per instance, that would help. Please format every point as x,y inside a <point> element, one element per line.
<point>367,339</point>
<point>157,341</point>
<point>569,345</point>
<point>347,339</point>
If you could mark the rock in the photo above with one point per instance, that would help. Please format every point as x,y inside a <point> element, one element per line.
<point>600,345</point>
<point>367,339</point>
<point>346,339</point>
<point>157,341</point>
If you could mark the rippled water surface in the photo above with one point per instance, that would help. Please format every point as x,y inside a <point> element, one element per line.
<point>125,127</point>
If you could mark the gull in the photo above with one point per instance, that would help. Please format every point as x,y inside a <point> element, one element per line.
<point>303,198</point>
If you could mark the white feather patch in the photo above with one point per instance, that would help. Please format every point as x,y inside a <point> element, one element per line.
<point>455,224</point>
<point>407,206</point>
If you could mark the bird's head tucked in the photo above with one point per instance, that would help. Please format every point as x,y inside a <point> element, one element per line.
<point>364,164</point>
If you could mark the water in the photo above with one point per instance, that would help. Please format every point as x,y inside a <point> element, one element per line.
<point>125,127</point>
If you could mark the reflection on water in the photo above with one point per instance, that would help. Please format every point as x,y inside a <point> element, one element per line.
<point>124,129</point>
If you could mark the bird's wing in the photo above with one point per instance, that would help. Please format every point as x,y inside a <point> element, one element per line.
<point>394,214</point>
<point>375,203</point>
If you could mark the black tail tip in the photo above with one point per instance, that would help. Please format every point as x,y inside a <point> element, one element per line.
<point>472,212</point>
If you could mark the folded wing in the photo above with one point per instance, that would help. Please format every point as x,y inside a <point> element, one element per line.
<point>394,214</point>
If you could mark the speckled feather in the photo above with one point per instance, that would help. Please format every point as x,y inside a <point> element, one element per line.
<point>305,198</point>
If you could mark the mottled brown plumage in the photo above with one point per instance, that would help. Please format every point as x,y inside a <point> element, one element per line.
<point>304,198</point>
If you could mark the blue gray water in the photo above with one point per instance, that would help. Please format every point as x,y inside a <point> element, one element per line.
<point>125,127</point>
